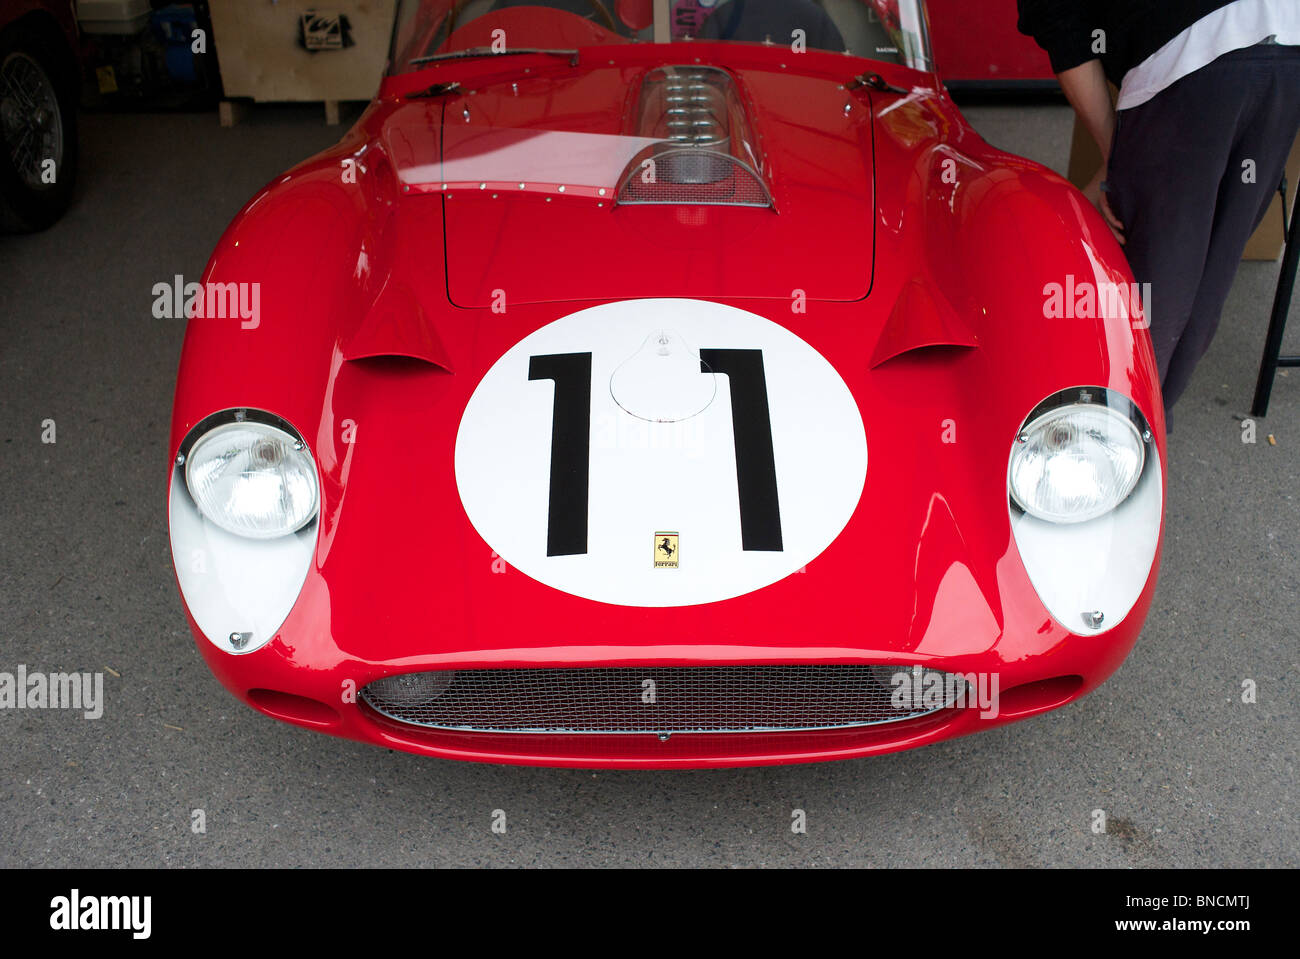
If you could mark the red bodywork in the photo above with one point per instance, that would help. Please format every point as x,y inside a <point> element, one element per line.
<point>55,18</point>
<point>978,45</point>
<point>925,572</point>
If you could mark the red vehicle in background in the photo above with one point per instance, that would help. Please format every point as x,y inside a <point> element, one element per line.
<point>39,88</point>
<point>977,47</point>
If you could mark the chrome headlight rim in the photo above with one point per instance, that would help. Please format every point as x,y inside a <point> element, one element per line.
<point>1083,397</point>
<point>244,416</point>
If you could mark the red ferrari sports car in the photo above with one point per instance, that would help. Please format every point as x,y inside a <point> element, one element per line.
<point>662,384</point>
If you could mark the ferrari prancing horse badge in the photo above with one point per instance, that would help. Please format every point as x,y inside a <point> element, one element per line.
<point>666,550</point>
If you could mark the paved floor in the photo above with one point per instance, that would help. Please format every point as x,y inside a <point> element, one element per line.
<point>1187,774</point>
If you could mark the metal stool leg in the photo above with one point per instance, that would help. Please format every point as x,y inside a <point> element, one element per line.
<point>1271,360</point>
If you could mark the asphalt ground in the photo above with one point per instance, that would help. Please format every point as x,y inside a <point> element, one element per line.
<point>1187,774</point>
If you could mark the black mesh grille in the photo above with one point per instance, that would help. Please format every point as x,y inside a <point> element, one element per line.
<point>732,699</point>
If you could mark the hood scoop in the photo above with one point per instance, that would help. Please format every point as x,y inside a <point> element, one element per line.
<point>396,325</point>
<point>921,318</point>
<point>704,151</point>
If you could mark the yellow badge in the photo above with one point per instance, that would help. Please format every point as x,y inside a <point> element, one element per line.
<point>106,79</point>
<point>666,550</point>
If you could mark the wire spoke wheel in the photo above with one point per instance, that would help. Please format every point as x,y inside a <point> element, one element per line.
<point>31,123</point>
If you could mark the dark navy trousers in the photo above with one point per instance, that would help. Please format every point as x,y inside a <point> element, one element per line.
<point>1191,174</point>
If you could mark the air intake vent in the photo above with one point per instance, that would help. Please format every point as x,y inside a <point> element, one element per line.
<point>657,700</point>
<point>706,154</point>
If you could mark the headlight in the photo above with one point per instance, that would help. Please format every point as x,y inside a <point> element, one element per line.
<point>1077,458</point>
<point>252,479</point>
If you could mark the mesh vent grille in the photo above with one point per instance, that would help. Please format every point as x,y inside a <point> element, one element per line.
<point>726,699</point>
<point>706,154</point>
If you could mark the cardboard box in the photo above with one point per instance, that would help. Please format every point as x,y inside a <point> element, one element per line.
<point>1267,241</point>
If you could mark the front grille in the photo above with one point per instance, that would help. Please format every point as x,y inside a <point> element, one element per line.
<point>662,700</point>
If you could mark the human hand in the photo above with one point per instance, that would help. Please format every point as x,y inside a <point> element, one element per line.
<point>1097,197</point>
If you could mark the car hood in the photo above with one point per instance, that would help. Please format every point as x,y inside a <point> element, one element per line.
<point>940,364</point>
<point>530,171</point>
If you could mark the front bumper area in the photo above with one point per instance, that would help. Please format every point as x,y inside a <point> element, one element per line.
<point>310,684</point>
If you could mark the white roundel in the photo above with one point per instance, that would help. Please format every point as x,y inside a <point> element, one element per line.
<point>660,453</point>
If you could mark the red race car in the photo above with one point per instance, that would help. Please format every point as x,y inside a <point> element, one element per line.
<point>664,385</point>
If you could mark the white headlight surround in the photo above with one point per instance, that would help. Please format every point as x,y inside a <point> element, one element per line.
<point>238,588</point>
<point>1090,573</point>
<point>252,475</point>
<point>1078,456</point>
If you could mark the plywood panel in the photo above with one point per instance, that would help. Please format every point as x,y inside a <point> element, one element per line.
<point>260,56</point>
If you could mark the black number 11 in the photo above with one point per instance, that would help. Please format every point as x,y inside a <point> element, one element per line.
<point>751,426</point>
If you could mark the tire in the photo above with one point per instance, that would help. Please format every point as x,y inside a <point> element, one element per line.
<point>38,122</point>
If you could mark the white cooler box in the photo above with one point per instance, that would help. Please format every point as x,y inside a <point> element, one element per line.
<point>123,17</point>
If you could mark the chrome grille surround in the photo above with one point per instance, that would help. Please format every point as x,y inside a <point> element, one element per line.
<point>685,699</point>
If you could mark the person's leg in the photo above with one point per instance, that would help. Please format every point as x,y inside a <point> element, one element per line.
<point>1259,152</point>
<point>1165,167</point>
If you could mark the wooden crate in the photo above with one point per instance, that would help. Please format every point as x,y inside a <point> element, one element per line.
<point>262,59</point>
